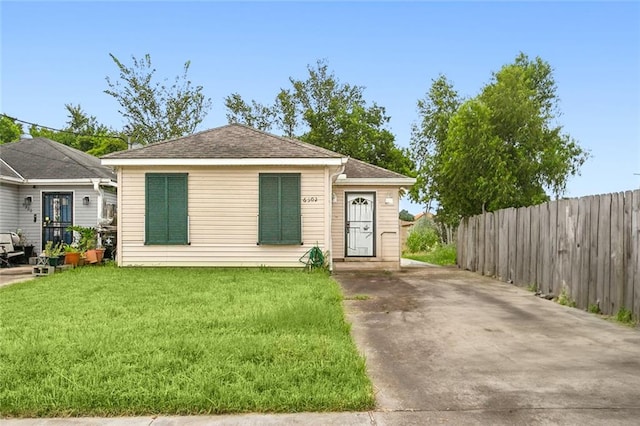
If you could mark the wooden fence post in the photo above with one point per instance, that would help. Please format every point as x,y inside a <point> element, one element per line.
<point>562,248</point>
<point>635,251</point>
<point>490,245</point>
<point>594,203</point>
<point>572,217</point>
<point>534,277</point>
<point>580,262</point>
<point>482,241</point>
<point>503,245</point>
<point>616,277</point>
<point>604,253</point>
<point>546,267</point>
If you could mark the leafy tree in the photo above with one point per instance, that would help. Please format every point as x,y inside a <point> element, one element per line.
<point>255,115</point>
<point>502,148</point>
<point>156,111</point>
<point>10,131</point>
<point>406,216</point>
<point>325,112</point>
<point>83,132</point>
<point>435,110</point>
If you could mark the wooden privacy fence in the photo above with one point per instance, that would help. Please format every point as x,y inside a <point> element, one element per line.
<point>588,246</point>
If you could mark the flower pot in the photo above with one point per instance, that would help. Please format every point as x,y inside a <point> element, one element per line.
<point>95,255</point>
<point>72,259</point>
<point>53,261</point>
<point>100,253</point>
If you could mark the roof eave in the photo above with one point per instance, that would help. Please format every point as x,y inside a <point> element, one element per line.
<point>406,181</point>
<point>65,182</point>
<point>19,177</point>
<point>334,161</point>
<point>9,179</point>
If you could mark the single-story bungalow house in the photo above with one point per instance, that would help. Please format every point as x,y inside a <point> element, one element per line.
<point>46,186</point>
<point>236,196</point>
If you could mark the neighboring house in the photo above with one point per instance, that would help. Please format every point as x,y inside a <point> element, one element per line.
<point>405,226</point>
<point>236,196</point>
<point>46,186</point>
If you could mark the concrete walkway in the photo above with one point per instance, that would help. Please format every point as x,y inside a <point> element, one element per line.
<point>15,274</point>
<point>445,346</point>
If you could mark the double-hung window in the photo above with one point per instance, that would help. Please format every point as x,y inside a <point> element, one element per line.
<point>166,220</point>
<point>279,220</point>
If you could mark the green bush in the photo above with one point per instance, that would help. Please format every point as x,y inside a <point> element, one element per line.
<point>423,236</point>
<point>565,299</point>
<point>624,316</point>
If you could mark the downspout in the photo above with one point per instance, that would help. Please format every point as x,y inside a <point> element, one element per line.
<point>332,179</point>
<point>96,187</point>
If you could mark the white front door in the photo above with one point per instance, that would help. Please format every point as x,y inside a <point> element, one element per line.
<point>359,230</point>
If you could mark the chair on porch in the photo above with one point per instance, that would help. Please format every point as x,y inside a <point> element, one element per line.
<point>7,251</point>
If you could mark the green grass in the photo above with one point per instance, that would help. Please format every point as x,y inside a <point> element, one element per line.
<point>564,298</point>
<point>594,308</point>
<point>358,297</point>
<point>625,316</point>
<point>440,255</point>
<point>104,341</point>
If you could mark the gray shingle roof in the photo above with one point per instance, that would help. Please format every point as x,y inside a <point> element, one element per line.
<point>226,142</point>
<point>42,158</point>
<point>356,169</point>
<point>7,171</point>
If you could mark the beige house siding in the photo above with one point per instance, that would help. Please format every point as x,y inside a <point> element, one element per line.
<point>387,245</point>
<point>223,221</point>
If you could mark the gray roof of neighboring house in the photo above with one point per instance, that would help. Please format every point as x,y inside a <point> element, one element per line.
<point>356,169</point>
<point>230,141</point>
<point>7,171</point>
<point>42,158</point>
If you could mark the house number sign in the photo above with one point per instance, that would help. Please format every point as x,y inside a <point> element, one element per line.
<point>309,199</point>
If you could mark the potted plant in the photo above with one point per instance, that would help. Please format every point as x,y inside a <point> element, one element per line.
<point>53,252</point>
<point>87,243</point>
<point>71,255</point>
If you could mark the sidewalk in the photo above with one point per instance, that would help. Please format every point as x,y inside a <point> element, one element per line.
<point>576,416</point>
<point>15,274</point>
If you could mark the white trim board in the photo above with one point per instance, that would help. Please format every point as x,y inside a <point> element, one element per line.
<point>224,161</point>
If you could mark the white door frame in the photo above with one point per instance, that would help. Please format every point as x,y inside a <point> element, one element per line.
<point>349,196</point>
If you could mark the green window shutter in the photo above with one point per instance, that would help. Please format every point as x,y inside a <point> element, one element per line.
<point>177,221</point>
<point>155,209</point>
<point>166,209</point>
<point>269,209</point>
<point>279,209</point>
<point>290,209</point>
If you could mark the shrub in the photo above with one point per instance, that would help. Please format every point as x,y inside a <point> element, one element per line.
<point>594,308</point>
<point>624,316</point>
<point>565,299</point>
<point>423,236</point>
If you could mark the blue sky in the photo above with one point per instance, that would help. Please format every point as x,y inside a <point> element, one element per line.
<point>58,52</point>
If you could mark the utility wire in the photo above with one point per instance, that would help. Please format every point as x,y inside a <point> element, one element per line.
<point>60,130</point>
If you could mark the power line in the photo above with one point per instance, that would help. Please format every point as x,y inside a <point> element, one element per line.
<point>60,130</point>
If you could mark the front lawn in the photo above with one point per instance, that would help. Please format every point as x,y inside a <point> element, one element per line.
<point>103,341</point>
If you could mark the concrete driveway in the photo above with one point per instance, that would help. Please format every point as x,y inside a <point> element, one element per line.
<point>448,346</point>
